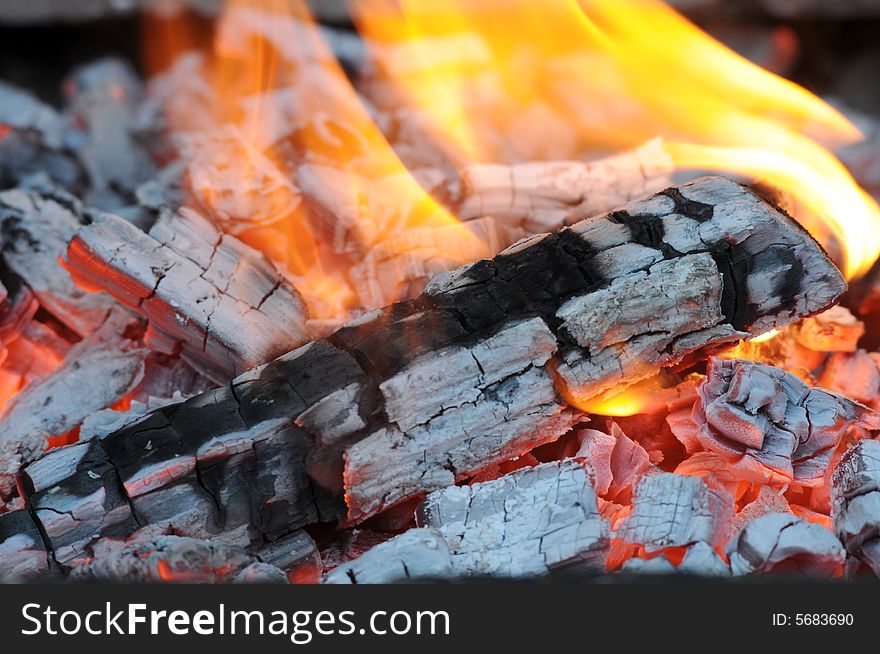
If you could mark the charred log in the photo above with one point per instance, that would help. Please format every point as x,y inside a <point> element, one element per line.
<point>36,227</point>
<point>372,411</point>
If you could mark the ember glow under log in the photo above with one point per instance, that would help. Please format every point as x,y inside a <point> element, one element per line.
<point>370,415</point>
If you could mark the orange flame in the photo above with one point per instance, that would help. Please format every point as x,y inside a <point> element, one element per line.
<point>494,79</point>
<point>281,115</point>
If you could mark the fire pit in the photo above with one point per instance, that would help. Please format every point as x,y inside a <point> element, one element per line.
<point>436,291</point>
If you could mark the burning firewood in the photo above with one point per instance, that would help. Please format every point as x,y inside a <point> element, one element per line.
<point>413,555</point>
<point>225,305</point>
<point>768,424</point>
<point>785,541</point>
<point>856,503</point>
<point>525,523</point>
<point>372,410</point>
<point>176,559</point>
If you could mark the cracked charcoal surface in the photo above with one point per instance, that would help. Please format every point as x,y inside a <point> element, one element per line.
<point>770,425</point>
<point>672,510</point>
<point>525,523</point>
<point>855,502</point>
<point>271,451</point>
<point>225,305</point>
<point>776,538</point>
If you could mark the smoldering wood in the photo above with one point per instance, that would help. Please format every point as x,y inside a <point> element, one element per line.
<point>17,308</point>
<point>834,330</point>
<point>617,461</point>
<point>229,465</point>
<point>223,304</point>
<point>855,502</point>
<point>59,402</point>
<point>777,538</point>
<point>702,559</point>
<point>295,554</point>
<point>670,510</point>
<point>36,227</point>
<point>317,422</point>
<point>524,524</point>
<point>417,554</point>
<point>175,559</point>
<point>855,375</point>
<point>769,425</point>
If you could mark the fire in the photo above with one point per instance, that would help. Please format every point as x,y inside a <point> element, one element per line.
<point>498,81</point>
<point>283,114</point>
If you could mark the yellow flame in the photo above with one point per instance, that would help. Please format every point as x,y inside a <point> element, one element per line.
<point>498,81</point>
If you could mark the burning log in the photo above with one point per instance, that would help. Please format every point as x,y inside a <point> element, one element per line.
<point>590,283</point>
<point>417,554</point>
<point>223,304</point>
<point>855,496</point>
<point>768,424</point>
<point>785,541</point>
<point>525,523</point>
<point>176,559</point>
<point>372,410</point>
<point>36,227</point>
<point>672,510</point>
<point>535,197</point>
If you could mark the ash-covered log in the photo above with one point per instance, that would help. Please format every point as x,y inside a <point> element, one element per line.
<point>428,392</point>
<point>223,304</point>
<point>526,523</point>
<point>855,503</point>
<point>785,542</point>
<point>769,425</point>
